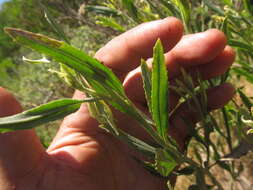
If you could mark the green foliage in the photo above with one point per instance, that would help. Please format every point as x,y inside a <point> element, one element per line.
<point>110,22</point>
<point>184,7</point>
<point>147,83</point>
<point>216,136</point>
<point>131,8</point>
<point>159,91</point>
<point>39,115</point>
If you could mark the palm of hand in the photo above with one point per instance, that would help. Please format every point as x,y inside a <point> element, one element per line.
<point>82,156</point>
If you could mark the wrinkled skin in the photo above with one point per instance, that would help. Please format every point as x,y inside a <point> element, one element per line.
<point>81,155</point>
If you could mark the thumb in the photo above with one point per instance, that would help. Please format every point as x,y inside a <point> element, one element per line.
<point>19,151</point>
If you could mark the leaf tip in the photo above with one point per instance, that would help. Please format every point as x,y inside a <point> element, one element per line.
<point>158,45</point>
<point>16,33</point>
<point>158,41</point>
<point>10,31</point>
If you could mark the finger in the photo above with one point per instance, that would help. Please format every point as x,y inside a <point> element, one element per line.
<point>19,151</point>
<point>216,67</point>
<point>123,53</point>
<point>194,50</point>
<point>217,97</point>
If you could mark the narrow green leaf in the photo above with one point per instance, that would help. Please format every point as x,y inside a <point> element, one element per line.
<point>245,100</point>
<point>172,8</point>
<point>55,26</point>
<point>155,10</point>
<point>185,10</point>
<point>137,144</point>
<point>225,115</point>
<point>41,114</point>
<point>241,45</point>
<point>110,22</point>
<point>147,83</point>
<point>131,8</point>
<point>211,6</point>
<point>107,11</point>
<point>244,73</point>
<point>159,92</point>
<point>89,67</point>
<point>56,105</point>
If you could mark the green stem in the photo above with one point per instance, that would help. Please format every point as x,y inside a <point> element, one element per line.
<point>228,138</point>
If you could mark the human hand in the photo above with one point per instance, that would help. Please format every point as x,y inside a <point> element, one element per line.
<point>83,156</point>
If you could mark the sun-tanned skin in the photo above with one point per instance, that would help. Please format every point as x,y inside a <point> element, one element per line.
<point>82,156</point>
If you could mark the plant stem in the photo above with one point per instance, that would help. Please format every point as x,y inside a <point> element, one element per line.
<point>228,138</point>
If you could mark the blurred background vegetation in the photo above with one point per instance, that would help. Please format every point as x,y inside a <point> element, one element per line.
<point>89,24</point>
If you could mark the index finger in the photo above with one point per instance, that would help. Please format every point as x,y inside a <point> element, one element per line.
<point>123,53</point>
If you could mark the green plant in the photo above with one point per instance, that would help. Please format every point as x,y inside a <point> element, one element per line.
<point>105,90</point>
